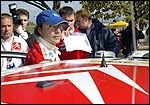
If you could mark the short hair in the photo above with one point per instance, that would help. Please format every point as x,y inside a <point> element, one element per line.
<point>84,13</point>
<point>22,11</point>
<point>113,29</point>
<point>66,10</point>
<point>36,33</point>
<point>5,15</point>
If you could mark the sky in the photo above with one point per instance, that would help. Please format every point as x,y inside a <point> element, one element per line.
<point>34,11</point>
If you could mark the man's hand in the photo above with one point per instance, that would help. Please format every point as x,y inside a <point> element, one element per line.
<point>66,32</point>
<point>137,26</point>
<point>20,31</point>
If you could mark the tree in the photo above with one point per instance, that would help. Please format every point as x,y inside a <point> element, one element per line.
<point>116,9</point>
<point>31,24</point>
<point>107,9</point>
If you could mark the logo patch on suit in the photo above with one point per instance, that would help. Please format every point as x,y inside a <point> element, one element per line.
<point>16,46</point>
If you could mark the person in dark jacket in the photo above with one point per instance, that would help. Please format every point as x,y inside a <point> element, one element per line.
<point>127,38</point>
<point>118,36</point>
<point>147,33</point>
<point>100,36</point>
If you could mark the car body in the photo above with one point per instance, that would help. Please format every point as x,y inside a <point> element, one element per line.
<point>82,81</point>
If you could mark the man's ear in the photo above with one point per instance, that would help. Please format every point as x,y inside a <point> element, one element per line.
<point>39,29</point>
<point>85,19</point>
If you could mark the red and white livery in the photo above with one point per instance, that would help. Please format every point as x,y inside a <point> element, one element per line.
<point>78,82</point>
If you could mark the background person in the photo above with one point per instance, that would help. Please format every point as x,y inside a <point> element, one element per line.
<point>48,33</point>
<point>100,36</point>
<point>21,30</point>
<point>67,13</point>
<point>118,36</point>
<point>147,33</point>
<point>115,31</point>
<point>9,42</point>
<point>127,39</point>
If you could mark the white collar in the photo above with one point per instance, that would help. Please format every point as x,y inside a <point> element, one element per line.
<point>48,45</point>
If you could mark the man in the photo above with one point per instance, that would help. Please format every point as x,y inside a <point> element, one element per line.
<point>48,33</point>
<point>67,13</point>
<point>118,36</point>
<point>100,36</point>
<point>147,33</point>
<point>127,38</point>
<point>24,17</point>
<point>9,42</point>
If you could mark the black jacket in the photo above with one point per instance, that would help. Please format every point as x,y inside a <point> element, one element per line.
<point>102,38</point>
<point>127,40</point>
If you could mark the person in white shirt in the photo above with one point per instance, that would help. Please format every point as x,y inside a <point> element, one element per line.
<point>20,30</point>
<point>9,42</point>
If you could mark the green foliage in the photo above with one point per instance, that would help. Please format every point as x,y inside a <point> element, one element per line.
<point>31,24</point>
<point>116,9</point>
<point>30,27</point>
<point>107,9</point>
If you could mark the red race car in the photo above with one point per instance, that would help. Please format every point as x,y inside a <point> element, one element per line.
<point>84,81</point>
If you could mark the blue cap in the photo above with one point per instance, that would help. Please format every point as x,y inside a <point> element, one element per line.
<point>51,17</point>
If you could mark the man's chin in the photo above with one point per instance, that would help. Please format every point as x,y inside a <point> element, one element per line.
<point>57,41</point>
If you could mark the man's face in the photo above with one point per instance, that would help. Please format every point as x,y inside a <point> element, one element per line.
<point>70,19</point>
<point>6,28</point>
<point>116,31</point>
<point>24,20</point>
<point>51,34</point>
<point>80,21</point>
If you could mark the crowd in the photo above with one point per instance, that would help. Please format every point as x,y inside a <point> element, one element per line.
<point>46,44</point>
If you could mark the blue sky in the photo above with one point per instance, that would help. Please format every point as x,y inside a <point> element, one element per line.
<point>34,11</point>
